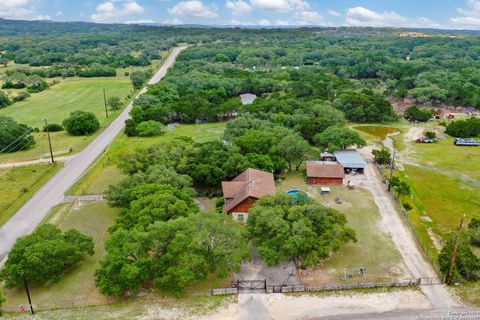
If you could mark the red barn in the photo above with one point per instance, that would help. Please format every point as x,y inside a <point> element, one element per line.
<point>241,193</point>
<point>325,173</point>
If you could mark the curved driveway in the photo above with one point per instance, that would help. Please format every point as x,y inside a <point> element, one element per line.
<point>52,193</point>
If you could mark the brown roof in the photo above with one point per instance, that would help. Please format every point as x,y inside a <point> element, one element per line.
<point>250,183</point>
<point>320,169</point>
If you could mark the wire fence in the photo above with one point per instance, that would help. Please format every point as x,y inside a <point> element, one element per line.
<point>429,252</point>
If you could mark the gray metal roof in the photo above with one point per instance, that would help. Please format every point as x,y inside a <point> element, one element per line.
<point>350,159</point>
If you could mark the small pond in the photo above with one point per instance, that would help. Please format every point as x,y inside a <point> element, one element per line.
<point>377,131</point>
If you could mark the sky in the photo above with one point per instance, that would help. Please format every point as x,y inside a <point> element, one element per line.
<point>446,14</point>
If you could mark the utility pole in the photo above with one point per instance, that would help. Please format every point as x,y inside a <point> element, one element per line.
<point>392,165</point>
<point>454,256</point>
<point>28,294</point>
<point>49,141</point>
<point>105,102</point>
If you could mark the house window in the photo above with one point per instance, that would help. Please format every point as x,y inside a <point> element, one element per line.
<point>240,217</point>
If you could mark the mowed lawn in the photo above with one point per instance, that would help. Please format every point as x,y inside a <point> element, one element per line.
<point>461,162</point>
<point>374,250</point>
<point>443,198</point>
<point>77,286</point>
<point>56,104</point>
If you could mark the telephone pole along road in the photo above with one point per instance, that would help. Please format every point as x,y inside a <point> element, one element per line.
<point>52,193</point>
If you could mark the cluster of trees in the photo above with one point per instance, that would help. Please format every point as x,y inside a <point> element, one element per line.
<point>161,236</point>
<point>303,232</point>
<point>33,83</point>
<point>14,136</point>
<point>416,114</point>
<point>147,116</point>
<point>464,128</point>
<point>44,255</point>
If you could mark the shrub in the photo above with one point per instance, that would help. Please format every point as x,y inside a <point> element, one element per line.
<point>81,123</point>
<point>53,127</point>
<point>431,135</point>
<point>417,114</point>
<point>149,128</point>
<point>130,128</point>
<point>114,103</point>
<point>4,100</point>
<point>21,96</point>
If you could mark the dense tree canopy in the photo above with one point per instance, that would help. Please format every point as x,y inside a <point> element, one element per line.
<point>44,255</point>
<point>305,232</point>
<point>339,138</point>
<point>464,128</point>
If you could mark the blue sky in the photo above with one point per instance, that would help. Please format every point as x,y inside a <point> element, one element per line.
<point>454,14</point>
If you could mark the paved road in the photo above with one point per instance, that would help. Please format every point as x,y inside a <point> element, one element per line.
<point>402,237</point>
<point>52,193</point>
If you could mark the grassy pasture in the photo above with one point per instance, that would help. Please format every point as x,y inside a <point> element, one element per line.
<point>373,250</point>
<point>72,94</point>
<point>56,104</point>
<point>19,184</point>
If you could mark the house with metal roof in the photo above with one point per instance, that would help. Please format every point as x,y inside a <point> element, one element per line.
<point>351,160</point>
<point>242,192</point>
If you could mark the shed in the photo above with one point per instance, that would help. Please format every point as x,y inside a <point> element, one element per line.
<point>327,156</point>
<point>325,173</point>
<point>351,160</point>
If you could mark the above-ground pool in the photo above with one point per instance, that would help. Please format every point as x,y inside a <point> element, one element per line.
<point>298,195</point>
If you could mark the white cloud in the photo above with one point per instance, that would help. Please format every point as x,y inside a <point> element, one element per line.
<point>360,16</point>
<point>59,13</point>
<point>194,8</point>
<point>310,18</point>
<point>238,7</point>
<point>264,22</point>
<point>334,13</point>
<point>280,5</point>
<point>141,21</point>
<point>173,21</point>
<point>470,18</point>
<point>17,9</point>
<point>110,12</point>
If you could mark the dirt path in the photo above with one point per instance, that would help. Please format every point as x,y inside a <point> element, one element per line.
<point>27,163</point>
<point>402,237</point>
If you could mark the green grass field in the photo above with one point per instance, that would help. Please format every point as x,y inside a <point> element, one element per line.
<point>373,250</point>
<point>18,185</point>
<point>56,104</point>
<point>72,94</point>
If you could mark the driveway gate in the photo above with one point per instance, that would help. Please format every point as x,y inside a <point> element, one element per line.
<point>252,285</point>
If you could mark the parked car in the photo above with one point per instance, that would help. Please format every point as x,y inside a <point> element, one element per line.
<point>425,140</point>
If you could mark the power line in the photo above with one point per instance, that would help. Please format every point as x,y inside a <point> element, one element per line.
<point>24,134</point>
<point>15,146</point>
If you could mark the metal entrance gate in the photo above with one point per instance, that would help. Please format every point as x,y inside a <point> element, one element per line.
<point>252,285</point>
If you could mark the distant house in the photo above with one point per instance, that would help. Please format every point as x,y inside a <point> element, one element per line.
<point>351,160</point>
<point>241,193</point>
<point>325,173</point>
